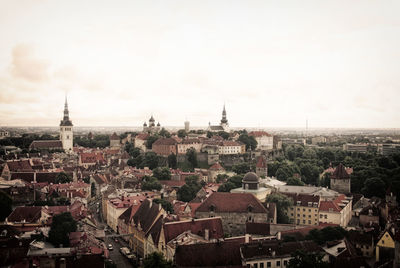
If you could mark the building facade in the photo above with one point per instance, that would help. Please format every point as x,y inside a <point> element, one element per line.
<point>66,131</point>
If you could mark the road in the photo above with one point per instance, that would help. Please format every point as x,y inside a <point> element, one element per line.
<point>120,260</point>
<point>115,255</point>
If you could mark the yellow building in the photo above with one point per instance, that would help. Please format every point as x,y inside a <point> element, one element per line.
<point>305,209</point>
<point>385,246</point>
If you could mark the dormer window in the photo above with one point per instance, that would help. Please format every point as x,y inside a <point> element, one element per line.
<point>250,208</point>
<point>212,208</point>
<point>298,203</point>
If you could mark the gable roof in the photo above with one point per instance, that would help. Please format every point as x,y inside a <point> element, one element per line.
<point>340,172</point>
<point>46,144</point>
<point>216,166</point>
<point>333,205</point>
<point>196,226</point>
<point>303,198</point>
<point>165,141</point>
<point>114,136</point>
<point>259,134</point>
<point>26,214</point>
<point>146,215</point>
<point>232,202</point>
<point>224,253</point>
<point>19,165</point>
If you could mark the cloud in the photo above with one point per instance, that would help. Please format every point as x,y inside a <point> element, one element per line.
<point>27,66</point>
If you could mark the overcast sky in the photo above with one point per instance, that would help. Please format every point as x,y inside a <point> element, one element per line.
<point>273,63</point>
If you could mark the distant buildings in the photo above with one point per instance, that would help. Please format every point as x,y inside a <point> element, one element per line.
<point>152,127</point>
<point>223,126</point>
<point>265,141</point>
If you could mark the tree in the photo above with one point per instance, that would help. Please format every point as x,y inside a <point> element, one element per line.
<point>6,205</point>
<point>374,187</point>
<point>63,177</point>
<point>164,133</point>
<point>301,259</point>
<point>150,184</point>
<point>223,134</point>
<point>294,181</point>
<point>150,140</point>
<point>243,168</point>
<point>282,204</point>
<point>172,162</point>
<point>232,183</point>
<point>167,206</point>
<point>182,133</point>
<point>62,224</point>
<point>189,190</point>
<point>326,234</point>
<point>310,173</point>
<point>192,157</point>
<point>222,178</point>
<point>162,173</point>
<point>150,160</point>
<point>156,259</point>
<point>249,141</point>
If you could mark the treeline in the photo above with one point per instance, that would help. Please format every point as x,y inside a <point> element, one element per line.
<point>25,140</point>
<point>372,174</point>
<point>98,141</point>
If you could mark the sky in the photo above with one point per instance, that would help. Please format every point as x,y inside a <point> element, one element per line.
<point>272,63</point>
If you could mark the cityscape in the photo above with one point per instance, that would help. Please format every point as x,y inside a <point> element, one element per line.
<point>218,133</point>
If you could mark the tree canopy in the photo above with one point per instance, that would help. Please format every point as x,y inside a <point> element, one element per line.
<point>6,205</point>
<point>162,173</point>
<point>156,259</point>
<point>301,259</point>
<point>282,204</point>
<point>189,190</point>
<point>249,141</point>
<point>63,177</point>
<point>150,184</point>
<point>62,224</point>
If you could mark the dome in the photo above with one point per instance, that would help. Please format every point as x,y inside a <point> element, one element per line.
<point>251,177</point>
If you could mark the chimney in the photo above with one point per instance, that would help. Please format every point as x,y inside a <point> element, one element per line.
<point>279,236</point>
<point>393,231</point>
<point>207,234</point>
<point>246,238</point>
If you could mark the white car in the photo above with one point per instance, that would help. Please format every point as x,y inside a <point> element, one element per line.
<point>110,247</point>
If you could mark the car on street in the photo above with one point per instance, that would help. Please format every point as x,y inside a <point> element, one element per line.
<point>110,247</point>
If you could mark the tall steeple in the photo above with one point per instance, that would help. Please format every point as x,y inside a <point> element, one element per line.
<point>224,120</point>
<point>66,131</point>
<point>66,121</point>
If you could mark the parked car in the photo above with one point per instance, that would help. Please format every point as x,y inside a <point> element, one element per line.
<point>110,247</point>
<point>125,251</point>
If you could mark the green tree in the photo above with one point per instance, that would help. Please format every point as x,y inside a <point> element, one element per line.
<point>294,181</point>
<point>6,205</point>
<point>374,187</point>
<point>172,162</point>
<point>150,140</point>
<point>156,260</point>
<point>164,133</point>
<point>223,134</point>
<point>310,173</point>
<point>167,206</point>
<point>243,168</point>
<point>209,134</point>
<point>222,178</point>
<point>182,133</point>
<point>162,173</point>
<point>309,153</point>
<point>150,184</point>
<point>150,160</point>
<point>63,177</point>
<point>232,183</point>
<point>249,141</point>
<point>189,190</point>
<point>301,259</point>
<point>191,155</point>
<point>282,204</point>
<point>62,224</point>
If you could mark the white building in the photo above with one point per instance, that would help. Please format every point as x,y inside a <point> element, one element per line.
<point>66,132</point>
<point>337,211</point>
<point>231,147</point>
<point>265,141</point>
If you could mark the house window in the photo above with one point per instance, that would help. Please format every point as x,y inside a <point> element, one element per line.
<point>309,221</point>
<point>321,216</point>
<point>255,265</point>
<point>326,216</point>
<point>284,263</point>
<point>269,264</point>
<point>261,265</point>
<point>278,263</point>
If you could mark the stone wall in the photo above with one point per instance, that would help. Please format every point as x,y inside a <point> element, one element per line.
<point>234,224</point>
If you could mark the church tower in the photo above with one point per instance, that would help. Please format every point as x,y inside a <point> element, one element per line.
<point>224,122</point>
<point>66,135</point>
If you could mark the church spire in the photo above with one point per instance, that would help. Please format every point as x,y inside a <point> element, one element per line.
<point>66,121</point>
<point>224,120</point>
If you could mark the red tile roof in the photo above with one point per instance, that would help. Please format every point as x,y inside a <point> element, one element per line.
<point>261,162</point>
<point>19,165</point>
<point>340,173</point>
<point>332,205</point>
<point>257,228</point>
<point>232,202</point>
<point>91,157</point>
<point>259,134</point>
<point>165,141</point>
<point>27,214</point>
<point>196,226</point>
<point>303,198</point>
<point>114,136</point>
<point>142,136</point>
<point>216,166</point>
<point>46,144</point>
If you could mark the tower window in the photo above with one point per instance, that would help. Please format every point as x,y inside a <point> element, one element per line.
<point>67,137</point>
